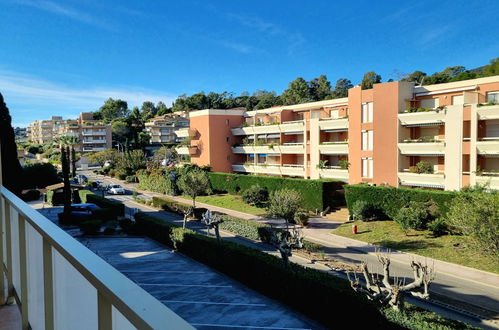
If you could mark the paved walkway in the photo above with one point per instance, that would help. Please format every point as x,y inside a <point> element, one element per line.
<point>461,288</point>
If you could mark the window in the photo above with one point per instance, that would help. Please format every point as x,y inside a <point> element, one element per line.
<point>367,140</point>
<point>367,112</point>
<point>429,103</point>
<point>458,99</point>
<point>367,167</point>
<point>493,97</point>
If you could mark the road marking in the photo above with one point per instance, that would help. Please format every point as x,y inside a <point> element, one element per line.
<point>210,303</point>
<point>186,285</point>
<point>244,326</point>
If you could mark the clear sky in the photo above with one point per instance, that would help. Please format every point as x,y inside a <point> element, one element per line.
<point>63,57</point>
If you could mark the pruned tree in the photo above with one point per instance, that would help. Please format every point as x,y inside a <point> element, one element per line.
<point>285,242</point>
<point>193,183</point>
<point>212,221</point>
<point>187,213</point>
<point>392,292</point>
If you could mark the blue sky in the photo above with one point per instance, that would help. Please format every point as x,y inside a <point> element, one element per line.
<point>63,57</point>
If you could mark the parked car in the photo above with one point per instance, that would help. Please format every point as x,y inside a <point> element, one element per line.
<point>115,189</point>
<point>81,179</point>
<point>82,212</point>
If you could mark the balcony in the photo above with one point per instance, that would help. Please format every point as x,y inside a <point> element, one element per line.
<point>60,284</point>
<point>422,118</point>
<point>488,146</point>
<point>421,180</point>
<point>491,181</point>
<point>89,133</point>
<point>422,148</point>
<point>488,112</point>
<point>335,148</point>
<point>94,141</point>
<point>88,149</point>
<point>286,127</point>
<point>185,132</point>
<point>250,149</point>
<point>291,148</point>
<point>336,125</point>
<point>334,173</point>
<point>187,150</point>
<point>270,169</point>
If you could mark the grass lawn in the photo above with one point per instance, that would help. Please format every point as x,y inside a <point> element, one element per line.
<point>455,249</point>
<point>233,202</point>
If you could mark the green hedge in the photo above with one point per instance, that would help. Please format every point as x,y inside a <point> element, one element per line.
<point>54,197</point>
<point>316,194</point>
<point>391,199</point>
<point>309,291</point>
<point>157,181</point>
<point>171,205</point>
<point>253,230</point>
<point>110,209</point>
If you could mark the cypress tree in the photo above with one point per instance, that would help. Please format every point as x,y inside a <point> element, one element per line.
<point>11,169</point>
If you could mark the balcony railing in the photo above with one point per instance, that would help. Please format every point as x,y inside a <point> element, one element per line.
<point>185,132</point>
<point>422,148</point>
<point>488,112</point>
<point>488,146</point>
<point>186,150</point>
<point>334,148</point>
<point>60,284</point>
<point>271,169</point>
<point>491,182</point>
<point>286,127</point>
<point>421,180</point>
<point>270,149</point>
<point>338,125</point>
<point>334,173</point>
<point>422,118</point>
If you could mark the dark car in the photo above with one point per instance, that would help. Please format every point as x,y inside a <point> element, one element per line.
<point>82,211</point>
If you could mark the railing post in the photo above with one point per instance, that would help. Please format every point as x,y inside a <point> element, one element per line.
<point>48,285</point>
<point>8,250</point>
<point>23,271</point>
<point>104,310</point>
<point>3,297</point>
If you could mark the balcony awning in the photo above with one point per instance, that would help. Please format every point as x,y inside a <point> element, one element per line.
<point>273,136</point>
<point>437,123</point>
<point>293,133</point>
<point>336,130</point>
<point>261,136</point>
<point>423,185</point>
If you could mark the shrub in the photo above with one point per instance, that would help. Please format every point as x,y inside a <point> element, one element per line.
<point>247,228</point>
<point>131,178</point>
<point>39,175</point>
<point>255,195</point>
<point>157,181</point>
<point>301,218</point>
<point>31,195</point>
<point>194,182</point>
<point>413,216</point>
<point>168,204</point>
<point>111,172</point>
<point>265,273</point>
<point>438,227</point>
<point>390,200</point>
<point>424,167</point>
<point>477,215</point>
<point>284,204</point>
<point>127,225</point>
<point>54,197</point>
<point>316,194</point>
<point>365,211</point>
<point>90,227</point>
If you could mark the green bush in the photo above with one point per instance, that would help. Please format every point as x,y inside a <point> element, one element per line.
<point>301,218</point>
<point>413,216</point>
<point>39,175</point>
<point>365,211</point>
<point>171,205</point>
<point>266,274</point>
<point>31,195</point>
<point>90,227</point>
<point>255,195</point>
<point>438,227</point>
<point>131,178</point>
<point>54,197</point>
<point>156,180</point>
<point>390,199</point>
<point>317,194</point>
<point>253,230</point>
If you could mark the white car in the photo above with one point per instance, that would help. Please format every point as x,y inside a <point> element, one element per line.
<point>115,189</point>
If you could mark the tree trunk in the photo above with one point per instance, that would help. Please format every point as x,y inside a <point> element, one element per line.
<point>73,162</point>
<point>217,233</point>
<point>193,203</point>
<point>65,175</point>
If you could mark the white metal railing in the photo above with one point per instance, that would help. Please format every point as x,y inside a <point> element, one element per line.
<point>59,284</point>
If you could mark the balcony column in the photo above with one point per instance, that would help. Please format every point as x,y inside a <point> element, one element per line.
<point>473,140</point>
<point>48,285</point>
<point>314,148</point>
<point>23,271</point>
<point>453,147</point>
<point>3,298</point>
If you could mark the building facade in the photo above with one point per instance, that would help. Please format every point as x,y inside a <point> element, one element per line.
<point>443,136</point>
<point>92,134</point>
<point>162,129</point>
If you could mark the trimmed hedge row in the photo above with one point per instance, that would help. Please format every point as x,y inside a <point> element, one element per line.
<point>246,228</point>
<point>171,205</point>
<point>309,291</point>
<point>155,181</point>
<point>316,194</point>
<point>108,207</point>
<point>390,199</point>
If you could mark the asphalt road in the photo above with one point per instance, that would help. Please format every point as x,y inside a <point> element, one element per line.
<point>450,293</point>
